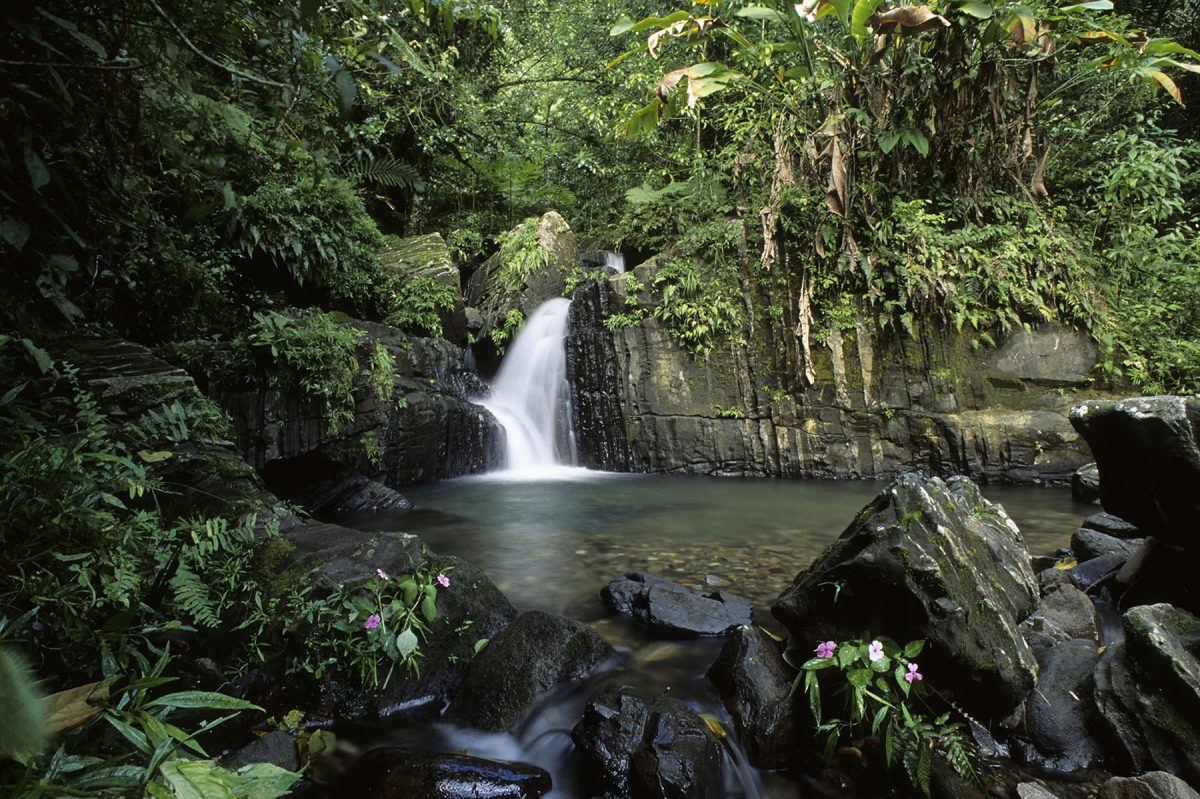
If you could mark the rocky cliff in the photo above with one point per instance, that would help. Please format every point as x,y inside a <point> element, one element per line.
<point>878,407</point>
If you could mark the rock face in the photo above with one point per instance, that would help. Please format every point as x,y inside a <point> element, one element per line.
<point>754,683</point>
<point>672,609</point>
<point>1148,692</point>
<point>430,430</point>
<point>877,409</point>
<point>1148,451</point>
<point>538,651</point>
<point>933,560</point>
<point>1088,544</point>
<point>640,749</point>
<point>1064,614</point>
<point>400,774</point>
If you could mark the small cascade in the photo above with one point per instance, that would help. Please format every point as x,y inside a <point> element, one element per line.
<point>530,396</point>
<point>614,261</point>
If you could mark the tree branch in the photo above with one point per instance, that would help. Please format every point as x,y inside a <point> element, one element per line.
<point>246,75</point>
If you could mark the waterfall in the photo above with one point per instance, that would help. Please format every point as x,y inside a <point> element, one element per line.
<point>530,397</point>
<point>614,261</point>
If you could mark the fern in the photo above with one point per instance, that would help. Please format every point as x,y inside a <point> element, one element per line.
<point>387,171</point>
<point>192,597</point>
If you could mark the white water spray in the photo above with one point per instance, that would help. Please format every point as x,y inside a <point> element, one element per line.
<point>530,396</point>
<point>615,261</point>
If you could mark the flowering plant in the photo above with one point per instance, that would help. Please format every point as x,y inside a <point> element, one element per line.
<point>879,679</point>
<point>380,625</point>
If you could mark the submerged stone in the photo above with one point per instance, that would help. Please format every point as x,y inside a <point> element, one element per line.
<point>667,607</point>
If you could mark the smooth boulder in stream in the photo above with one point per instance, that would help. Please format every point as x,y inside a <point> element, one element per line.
<point>934,560</point>
<point>675,610</point>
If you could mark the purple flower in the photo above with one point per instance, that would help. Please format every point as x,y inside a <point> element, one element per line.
<point>382,574</point>
<point>875,651</point>
<point>825,650</point>
<point>443,581</point>
<point>913,674</point>
<point>372,621</point>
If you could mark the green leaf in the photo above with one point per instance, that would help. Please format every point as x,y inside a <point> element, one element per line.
<point>154,457</point>
<point>208,700</point>
<point>480,644</point>
<point>406,642</point>
<point>15,233</point>
<point>760,14</point>
<point>39,175</point>
<point>44,362</point>
<point>976,9</point>
<point>859,678</point>
<point>916,139</point>
<point>347,90</point>
<point>626,25</point>
<point>195,779</point>
<point>429,605</point>
<point>263,781</point>
<point>888,140</point>
<point>111,777</point>
<point>913,648</point>
<point>863,9</point>
<point>1093,5</point>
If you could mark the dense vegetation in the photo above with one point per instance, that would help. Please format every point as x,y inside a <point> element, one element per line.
<point>217,180</point>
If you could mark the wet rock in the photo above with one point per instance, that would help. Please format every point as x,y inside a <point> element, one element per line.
<point>933,560</point>
<point>1095,571</point>
<point>277,748</point>
<point>327,488</point>
<point>1065,613</point>
<point>1088,544</point>
<point>1148,451</point>
<point>1060,715</point>
<point>667,607</point>
<point>1108,524</point>
<point>1148,692</point>
<point>1085,483</point>
<point>1050,579</point>
<point>1031,790</point>
<point>648,749</point>
<point>538,651</point>
<point>1152,785</point>
<point>401,774</point>
<point>753,682</point>
<point>324,553</point>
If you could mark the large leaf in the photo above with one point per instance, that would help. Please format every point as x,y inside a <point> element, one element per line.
<point>702,80</point>
<point>347,90</point>
<point>39,175</point>
<point>1164,80</point>
<point>406,642</point>
<point>909,20</point>
<point>684,28</point>
<point>760,14</point>
<point>976,9</point>
<point>208,700</point>
<point>1093,5</point>
<point>68,709</point>
<point>863,9</point>
<point>626,25</point>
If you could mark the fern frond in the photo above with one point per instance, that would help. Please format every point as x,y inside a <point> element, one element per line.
<point>192,597</point>
<point>386,171</point>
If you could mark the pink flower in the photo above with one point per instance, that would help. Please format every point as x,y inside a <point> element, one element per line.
<point>382,574</point>
<point>913,674</point>
<point>825,650</point>
<point>875,651</point>
<point>372,621</point>
<point>443,581</point>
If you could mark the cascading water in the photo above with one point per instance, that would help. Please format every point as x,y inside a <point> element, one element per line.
<point>614,261</point>
<point>530,396</point>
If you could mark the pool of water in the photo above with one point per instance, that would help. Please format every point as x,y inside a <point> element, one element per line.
<point>553,543</point>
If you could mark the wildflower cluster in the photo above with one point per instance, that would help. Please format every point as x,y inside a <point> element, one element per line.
<point>370,630</point>
<point>879,679</point>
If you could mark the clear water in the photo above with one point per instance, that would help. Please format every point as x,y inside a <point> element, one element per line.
<point>552,544</point>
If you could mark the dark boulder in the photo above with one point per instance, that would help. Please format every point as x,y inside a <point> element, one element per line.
<point>537,652</point>
<point>1152,785</point>
<point>401,774</point>
<point>277,748</point>
<point>933,560</point>
<point>675,610</point>
<point>324,553</point>
<point>1092,572</point>
<point>754,682</point>
<point>1148,451</point>
<point>1148,692</point>
<point>328,488</point>
<point>1085,483</point>
<point>648,749</point>
<point>1108,524</point>
<point>1088,544</point>
<point>1060,715</point>
<point>1065,613</point>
